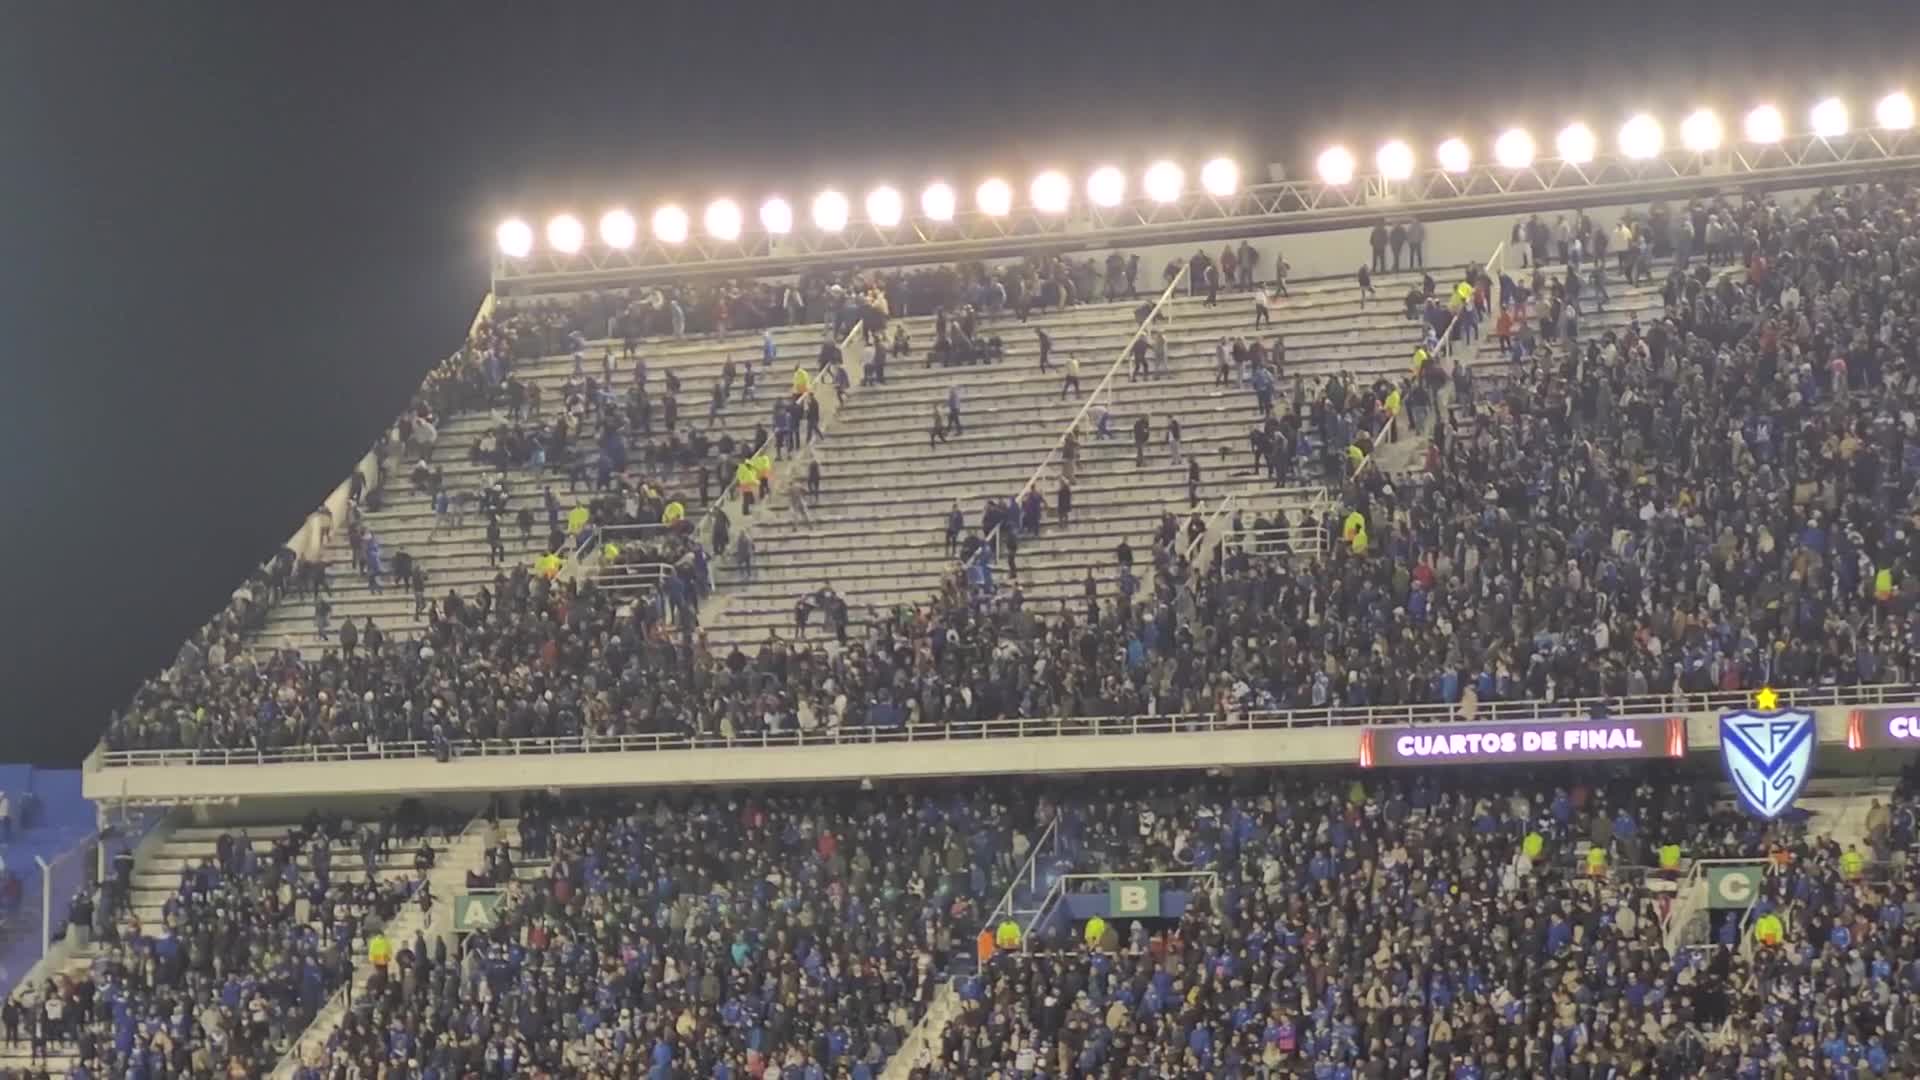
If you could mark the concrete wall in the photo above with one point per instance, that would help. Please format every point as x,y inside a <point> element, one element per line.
<point>385,782</point>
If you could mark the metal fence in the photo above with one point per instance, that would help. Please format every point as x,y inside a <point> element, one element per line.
<point>1025,728</point>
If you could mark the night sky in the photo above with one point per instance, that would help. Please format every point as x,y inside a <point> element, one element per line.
<point>234,237</point>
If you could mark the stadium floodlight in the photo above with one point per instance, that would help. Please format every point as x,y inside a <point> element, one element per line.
<point>1335,165</point>
<point>1051,191</point>
<point>1641,137</point>
<point>1895,112</point>
<point>830,211</point>
<point>1576,144</point>
<point>670,224</point>
<point>1766,125</point>
<point>884,207</point>
<point>1830,118</point>
<point>938,201</point>
<point>565,234</point>
<point>1106,186</point>
<point>618,230</point>
<point>776,216</point>
<point>515,238</point>
<point>993,197</point>
<point>1513,149</point>
<point>1220,177</point>
<point>1700,132</point>
<point>1395,160</point>
<point>1164,181</point>
<point>1454,155</point>
<point>723,219</point>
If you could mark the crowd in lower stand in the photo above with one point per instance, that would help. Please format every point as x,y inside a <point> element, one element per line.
<point>251,943</point>
<point>1454,930</point>
<point>1425,924</point>
<point>726,936</point>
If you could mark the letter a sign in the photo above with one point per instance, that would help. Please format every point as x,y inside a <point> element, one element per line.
<point>1768,755</point>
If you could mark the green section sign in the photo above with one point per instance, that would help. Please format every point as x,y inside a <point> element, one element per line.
<point>1733,886</point>
<point>1134,899</point>
<point>474,911</point>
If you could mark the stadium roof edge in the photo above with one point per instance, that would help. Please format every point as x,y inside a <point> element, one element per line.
<point>1266,210</point>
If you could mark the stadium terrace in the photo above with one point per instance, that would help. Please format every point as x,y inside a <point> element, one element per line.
<point>973,643</point>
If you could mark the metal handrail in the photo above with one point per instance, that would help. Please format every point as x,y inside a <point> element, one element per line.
<point>1024,728</point>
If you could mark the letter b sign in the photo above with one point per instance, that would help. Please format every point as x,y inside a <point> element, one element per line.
<point>1134,899</point>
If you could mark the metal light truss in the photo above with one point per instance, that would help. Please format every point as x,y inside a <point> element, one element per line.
<point>1294,205</point>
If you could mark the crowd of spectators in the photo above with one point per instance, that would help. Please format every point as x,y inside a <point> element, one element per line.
<point>253,940</point>
<point>732,936</point>
<point>1695,504</point>
<point>1441,927</point>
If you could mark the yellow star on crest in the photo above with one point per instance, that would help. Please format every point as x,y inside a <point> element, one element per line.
<point>1766,700</point>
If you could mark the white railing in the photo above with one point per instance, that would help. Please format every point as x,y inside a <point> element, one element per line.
<point>1024,728</point>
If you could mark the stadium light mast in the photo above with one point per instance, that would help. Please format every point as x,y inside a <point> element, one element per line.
<point>1106,186</point>
<point>776,216</point>
<point>993,197</point>
<point>670,224</point>
<point>1051,192</point>
<point>566,235</point>
<point>723,219</point>
<point>1335,165</point>
<point>1395,160</point>
<point>1513,149</point>
<point>1765,126</point>
<point>1163,181</point>
<point>515,238</point>
<point>937,202</point>
<point>1576,144</point>
<point>1830,118</point>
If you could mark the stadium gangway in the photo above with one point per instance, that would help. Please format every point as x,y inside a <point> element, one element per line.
<point>1029,874</point>
<point>1066,884</point>
<point>1689,914</point>
<point>1025,728</point>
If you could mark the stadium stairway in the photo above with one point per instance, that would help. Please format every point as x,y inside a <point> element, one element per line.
<point>877,484</point>
<point>447,879</point>
<point>156,878</point>
<point>922,1044</point>
<point>876,534</point>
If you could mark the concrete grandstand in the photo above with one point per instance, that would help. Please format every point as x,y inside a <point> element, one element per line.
<point>549,819</point>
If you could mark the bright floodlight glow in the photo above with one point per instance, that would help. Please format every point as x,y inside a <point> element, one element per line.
<point>1051,192</point>
<point>1163,181</point>
<point>565,234</point>
<point>938,201</point>
<point>1107,186</point>
<point>1335,165</point>
<point>830,211</point>
<point>1220,177</point>
<point>1641,137</point>
<point>776,216</point>
<point>1700,131</point>
<point>1454,155</point>
<point>1766,125</point>
<point>1830,118</point>
<point>1513,149</point>
<point>1395,160</point>
<point>1895,112</point>
<point>515,238</point>
<point>884,207</point>
<point>1576,144</point>
<point>670,225</point>
<point>993,197</point>
<point>618,229</point>
<point>723,219</point>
